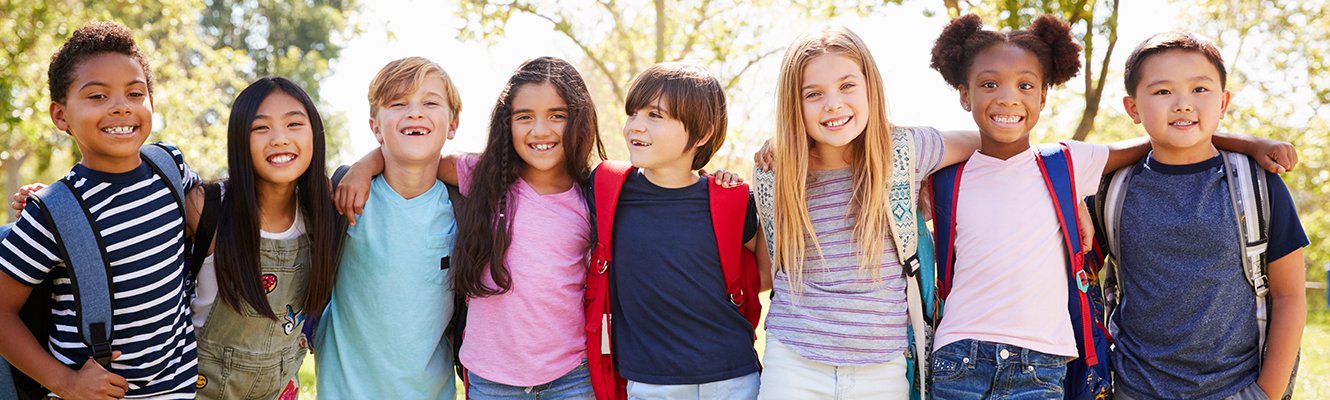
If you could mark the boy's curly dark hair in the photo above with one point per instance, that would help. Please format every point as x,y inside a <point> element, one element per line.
<point>90,40</point>
<point>1048,38</point>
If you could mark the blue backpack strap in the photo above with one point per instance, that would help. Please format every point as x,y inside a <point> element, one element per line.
<point>1060,178</point>
<point>946,185</point>
<point>85,257</point>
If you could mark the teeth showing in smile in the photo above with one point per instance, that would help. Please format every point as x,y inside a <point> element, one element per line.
<point>416,132</point>
<point>1006,119</point>
<point>542,146</point>
<point>636,142</point>
<point>118,130</point>
<point>281,158</point>
<point>1182,123</point>
<point>836,123</point>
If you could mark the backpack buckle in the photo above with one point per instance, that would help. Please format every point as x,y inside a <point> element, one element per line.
<point>735,299</point>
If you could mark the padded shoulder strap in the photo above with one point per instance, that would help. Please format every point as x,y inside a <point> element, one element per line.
<point>609,178</point>
<point>764,193</point>
<point>84,254</point>
<point>903,202</point>
<point>163,163</point>
<point>946,185</point>
<point>1060,178</point>
<point>338,174</point>
<point>729,208</point>
<point>203,233</point>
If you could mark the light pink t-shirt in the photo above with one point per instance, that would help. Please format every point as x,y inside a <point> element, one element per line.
<point>1010,282</point>
<point>534,333</point>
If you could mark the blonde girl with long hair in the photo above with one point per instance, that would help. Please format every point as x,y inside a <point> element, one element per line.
<point>839,313</point>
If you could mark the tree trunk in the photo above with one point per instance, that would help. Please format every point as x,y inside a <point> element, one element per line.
<point>12,181</point>
<point>660,31</point>
<point>1093,95</point>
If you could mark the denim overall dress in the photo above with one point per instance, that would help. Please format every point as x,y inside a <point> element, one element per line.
<point>244,355</point>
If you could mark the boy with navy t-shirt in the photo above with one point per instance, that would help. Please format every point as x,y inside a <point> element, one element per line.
<point>1187,325</point>
<point>101,89</point>
<point>676,333</point>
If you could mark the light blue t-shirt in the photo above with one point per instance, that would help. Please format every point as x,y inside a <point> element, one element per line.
<point>382,335</point>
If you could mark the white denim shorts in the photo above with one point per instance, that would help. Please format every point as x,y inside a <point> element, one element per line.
<point>788,375</point>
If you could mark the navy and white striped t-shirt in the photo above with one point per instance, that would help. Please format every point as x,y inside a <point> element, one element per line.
<point>143,230</point>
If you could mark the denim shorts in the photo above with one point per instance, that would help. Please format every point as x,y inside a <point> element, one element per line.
<point>574,385</point>
<point>974,369</point>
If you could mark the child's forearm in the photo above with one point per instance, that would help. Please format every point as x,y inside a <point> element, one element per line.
<point>1288,317</point>
<point>371,163</point>
<point>1126,152</point>
<point>1273,155</point>
<point>21,349</point>
<point>958,146</point>
<point>448,169</point>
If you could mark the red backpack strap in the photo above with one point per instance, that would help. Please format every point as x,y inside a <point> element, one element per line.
<point>608,180</point>
<point>729,211</point>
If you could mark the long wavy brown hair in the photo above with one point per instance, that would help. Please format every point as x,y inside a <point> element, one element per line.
<point>485,216</point>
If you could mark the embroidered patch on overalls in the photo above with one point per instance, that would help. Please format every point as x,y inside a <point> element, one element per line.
<point>269,283</point>
<point>291,391</point>
<point>292,319</point>
<point>203,381</point>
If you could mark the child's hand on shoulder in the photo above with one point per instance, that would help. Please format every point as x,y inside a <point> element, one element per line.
<point>725,179</point>
<point>93,382</point>
<point>765,158</point>
<point>1276,156</point>
<point>352,193</point>
<point>21,198</point>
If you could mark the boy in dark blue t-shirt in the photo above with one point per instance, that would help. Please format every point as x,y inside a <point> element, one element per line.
<point>101,94</point>
<point>1187,327</point>
<point>676,333</point>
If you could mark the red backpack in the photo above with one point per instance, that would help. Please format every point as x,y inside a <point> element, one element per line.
<point>728,209</point>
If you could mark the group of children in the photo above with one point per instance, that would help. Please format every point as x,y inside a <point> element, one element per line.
<point>641,279</point>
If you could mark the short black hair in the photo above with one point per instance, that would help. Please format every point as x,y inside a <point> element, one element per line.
<point>1180,40</point>
<point>1048,39</point>
<point>90,40</point>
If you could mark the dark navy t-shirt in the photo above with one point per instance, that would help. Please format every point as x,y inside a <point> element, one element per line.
<point>674,323</point>
<point>1187,328</point>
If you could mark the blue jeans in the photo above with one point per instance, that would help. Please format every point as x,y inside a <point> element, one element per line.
<point>973,369</point>
<point>574,385</point>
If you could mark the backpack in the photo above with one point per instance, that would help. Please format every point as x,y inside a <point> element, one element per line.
<point>1247,193</point>
<point>913,244</point>
<point>728,211</point>
<point>1088,376</point>
<point>84,254</point>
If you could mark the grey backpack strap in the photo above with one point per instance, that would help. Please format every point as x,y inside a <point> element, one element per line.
<point>1247,191</point>
<point>83,252</point>
<point>163,163</point>
<point>1108,204</point>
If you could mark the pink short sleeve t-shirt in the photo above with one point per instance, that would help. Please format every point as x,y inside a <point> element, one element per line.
<point>1011,268</point>
<point>534,333</point>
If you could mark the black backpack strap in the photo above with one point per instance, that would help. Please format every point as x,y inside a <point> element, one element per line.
<point>212,200</point>
<point>84,255</point>
<point>338,174</point>
<point>456,329</point>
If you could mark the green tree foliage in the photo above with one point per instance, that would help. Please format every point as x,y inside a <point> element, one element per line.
<point>197,74</point>
<point>621,38</point>
<point>1276,54</point>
